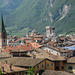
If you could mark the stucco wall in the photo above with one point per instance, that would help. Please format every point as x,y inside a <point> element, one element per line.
<point>67,65</point>
<point>51,50</point>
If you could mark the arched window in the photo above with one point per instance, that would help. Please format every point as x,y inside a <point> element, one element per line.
<point>42,66</point>
<point>38,66</point>
<point>48,65</point>
<point>51,64</point>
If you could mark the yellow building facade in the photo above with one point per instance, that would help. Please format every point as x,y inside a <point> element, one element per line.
<point>45,65</point>
<point>49,65</point>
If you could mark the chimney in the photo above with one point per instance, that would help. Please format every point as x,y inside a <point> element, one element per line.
<point>2,69</point>
<point>34,56</point>
<point>10,67</point>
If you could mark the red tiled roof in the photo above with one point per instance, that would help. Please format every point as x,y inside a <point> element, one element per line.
<point>26,47</point>
<point>51,42</point>
<point>35,45</point>
<point>37,39</point>
<point>26,38</point>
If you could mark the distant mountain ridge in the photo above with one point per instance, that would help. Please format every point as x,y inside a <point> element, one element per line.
<point>25,15</point>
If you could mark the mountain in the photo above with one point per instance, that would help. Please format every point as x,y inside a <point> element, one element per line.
<point>8,6</point>
<point>23,16</point>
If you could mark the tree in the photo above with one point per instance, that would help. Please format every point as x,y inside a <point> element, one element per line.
<point>1,72</point>
<point>31,71</point>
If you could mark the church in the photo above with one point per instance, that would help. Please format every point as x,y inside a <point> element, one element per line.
<point>3,34</point>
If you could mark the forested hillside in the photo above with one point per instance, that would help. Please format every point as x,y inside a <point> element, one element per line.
<point>23,16</point>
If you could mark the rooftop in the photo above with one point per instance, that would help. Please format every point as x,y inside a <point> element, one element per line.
<point>71,60</point>
<point>23,61</point>
<point>43,54</point>
<point>4,55</point>
<point>51,72</point>
<point>70,48</point>
<point>34,31</point>
<point>35,45</point>
<point>26,47</point>
<point>13,68</point>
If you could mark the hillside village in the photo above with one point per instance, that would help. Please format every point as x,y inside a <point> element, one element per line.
<point>47,53</point>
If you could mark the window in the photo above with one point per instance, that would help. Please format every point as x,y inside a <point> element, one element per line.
<point>57,68</point>
<point>4,40</point>
<point>70,67</point>
<point>38,66</point>
<point>62,67</point>
<point>42,66</point>
<point>47,65</point>
<point>51,64</point>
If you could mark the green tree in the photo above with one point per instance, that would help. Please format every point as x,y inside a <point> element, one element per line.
<point>1,72</point>
<point>31,71</point>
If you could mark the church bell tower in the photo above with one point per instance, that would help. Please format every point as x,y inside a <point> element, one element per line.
<point>3,34</point>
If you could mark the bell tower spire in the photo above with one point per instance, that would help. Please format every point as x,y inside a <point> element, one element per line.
<point>3,34</point>
<point>3,28</point>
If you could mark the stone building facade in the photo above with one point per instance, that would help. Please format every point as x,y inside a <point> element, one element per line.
<point>50,31</point>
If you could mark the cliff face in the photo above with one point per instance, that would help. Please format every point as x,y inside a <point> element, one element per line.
<point>22,16</point>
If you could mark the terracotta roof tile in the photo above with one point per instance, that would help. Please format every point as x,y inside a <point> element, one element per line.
<point>51,42</point>
<point>35,45</point>
<point>26,47</point>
